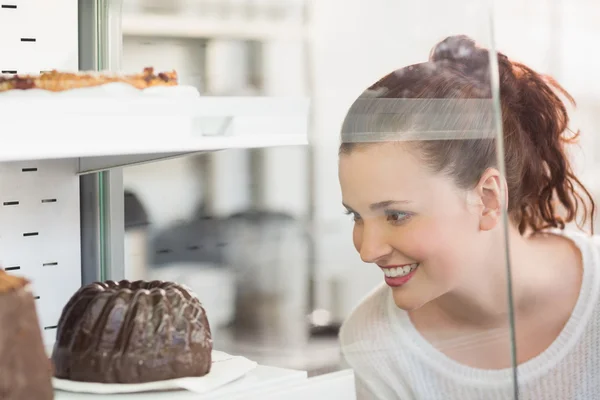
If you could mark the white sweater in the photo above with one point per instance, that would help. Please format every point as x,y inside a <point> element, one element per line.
<point>392,361</point>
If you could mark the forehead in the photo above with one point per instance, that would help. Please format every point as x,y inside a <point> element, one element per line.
<point>380,172</point>
<point>380,163</point>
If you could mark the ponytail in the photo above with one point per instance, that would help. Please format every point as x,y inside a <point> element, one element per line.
<point>536,133</point>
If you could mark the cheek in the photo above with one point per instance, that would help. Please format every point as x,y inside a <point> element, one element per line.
<point>421,241</point>
<point>439,245</point>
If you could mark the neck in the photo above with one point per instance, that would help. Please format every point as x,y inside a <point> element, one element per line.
<point>482,300</point>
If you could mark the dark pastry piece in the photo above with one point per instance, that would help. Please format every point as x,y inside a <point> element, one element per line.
<point>25,370</point>
<point>132,332</point>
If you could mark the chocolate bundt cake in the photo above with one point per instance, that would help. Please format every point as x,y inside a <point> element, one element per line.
<point>132,332</point>
<point>25,370</point>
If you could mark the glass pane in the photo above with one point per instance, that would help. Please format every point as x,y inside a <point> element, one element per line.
<point>554,282</point>
<point>416,276</point>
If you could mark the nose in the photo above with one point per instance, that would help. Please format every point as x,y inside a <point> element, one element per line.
<point>372,245</point>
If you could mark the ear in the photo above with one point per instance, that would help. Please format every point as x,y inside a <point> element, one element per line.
<point>492,194</point>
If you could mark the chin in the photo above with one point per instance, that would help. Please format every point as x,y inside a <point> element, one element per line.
<point>408,301</point>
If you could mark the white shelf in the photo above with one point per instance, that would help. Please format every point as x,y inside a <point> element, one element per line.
<point>104,133</point>
<point>261,378</point>
<point>337,385</point>
<point>181,26</point>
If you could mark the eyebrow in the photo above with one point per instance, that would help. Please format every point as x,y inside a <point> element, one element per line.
<point>382,204</point>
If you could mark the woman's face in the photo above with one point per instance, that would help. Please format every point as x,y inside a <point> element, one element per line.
<point>418,227</point>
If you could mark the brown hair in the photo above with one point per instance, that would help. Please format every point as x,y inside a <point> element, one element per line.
<point>448,102</point>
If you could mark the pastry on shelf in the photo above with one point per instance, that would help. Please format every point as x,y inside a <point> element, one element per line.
<point>55,81</point>
<point>25,370</point>
<point>132,332</point>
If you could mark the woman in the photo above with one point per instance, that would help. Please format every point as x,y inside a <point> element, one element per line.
<point>419,174</point>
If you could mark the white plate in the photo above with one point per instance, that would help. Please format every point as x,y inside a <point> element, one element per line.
<point>225,369</point>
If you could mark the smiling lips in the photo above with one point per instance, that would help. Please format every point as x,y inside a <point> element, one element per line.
<point>398,275</point>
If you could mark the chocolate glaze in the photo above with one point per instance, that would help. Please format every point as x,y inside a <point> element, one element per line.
<point>132,332</point>
<point>25,370</point>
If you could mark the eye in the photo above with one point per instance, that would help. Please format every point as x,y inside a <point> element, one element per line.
<point>396,217</point>
<point>355,216</point>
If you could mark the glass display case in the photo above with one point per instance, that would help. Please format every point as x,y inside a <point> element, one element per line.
<point>365,208</point>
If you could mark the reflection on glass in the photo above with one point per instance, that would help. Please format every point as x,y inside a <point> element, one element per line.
<point>421,180</point>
